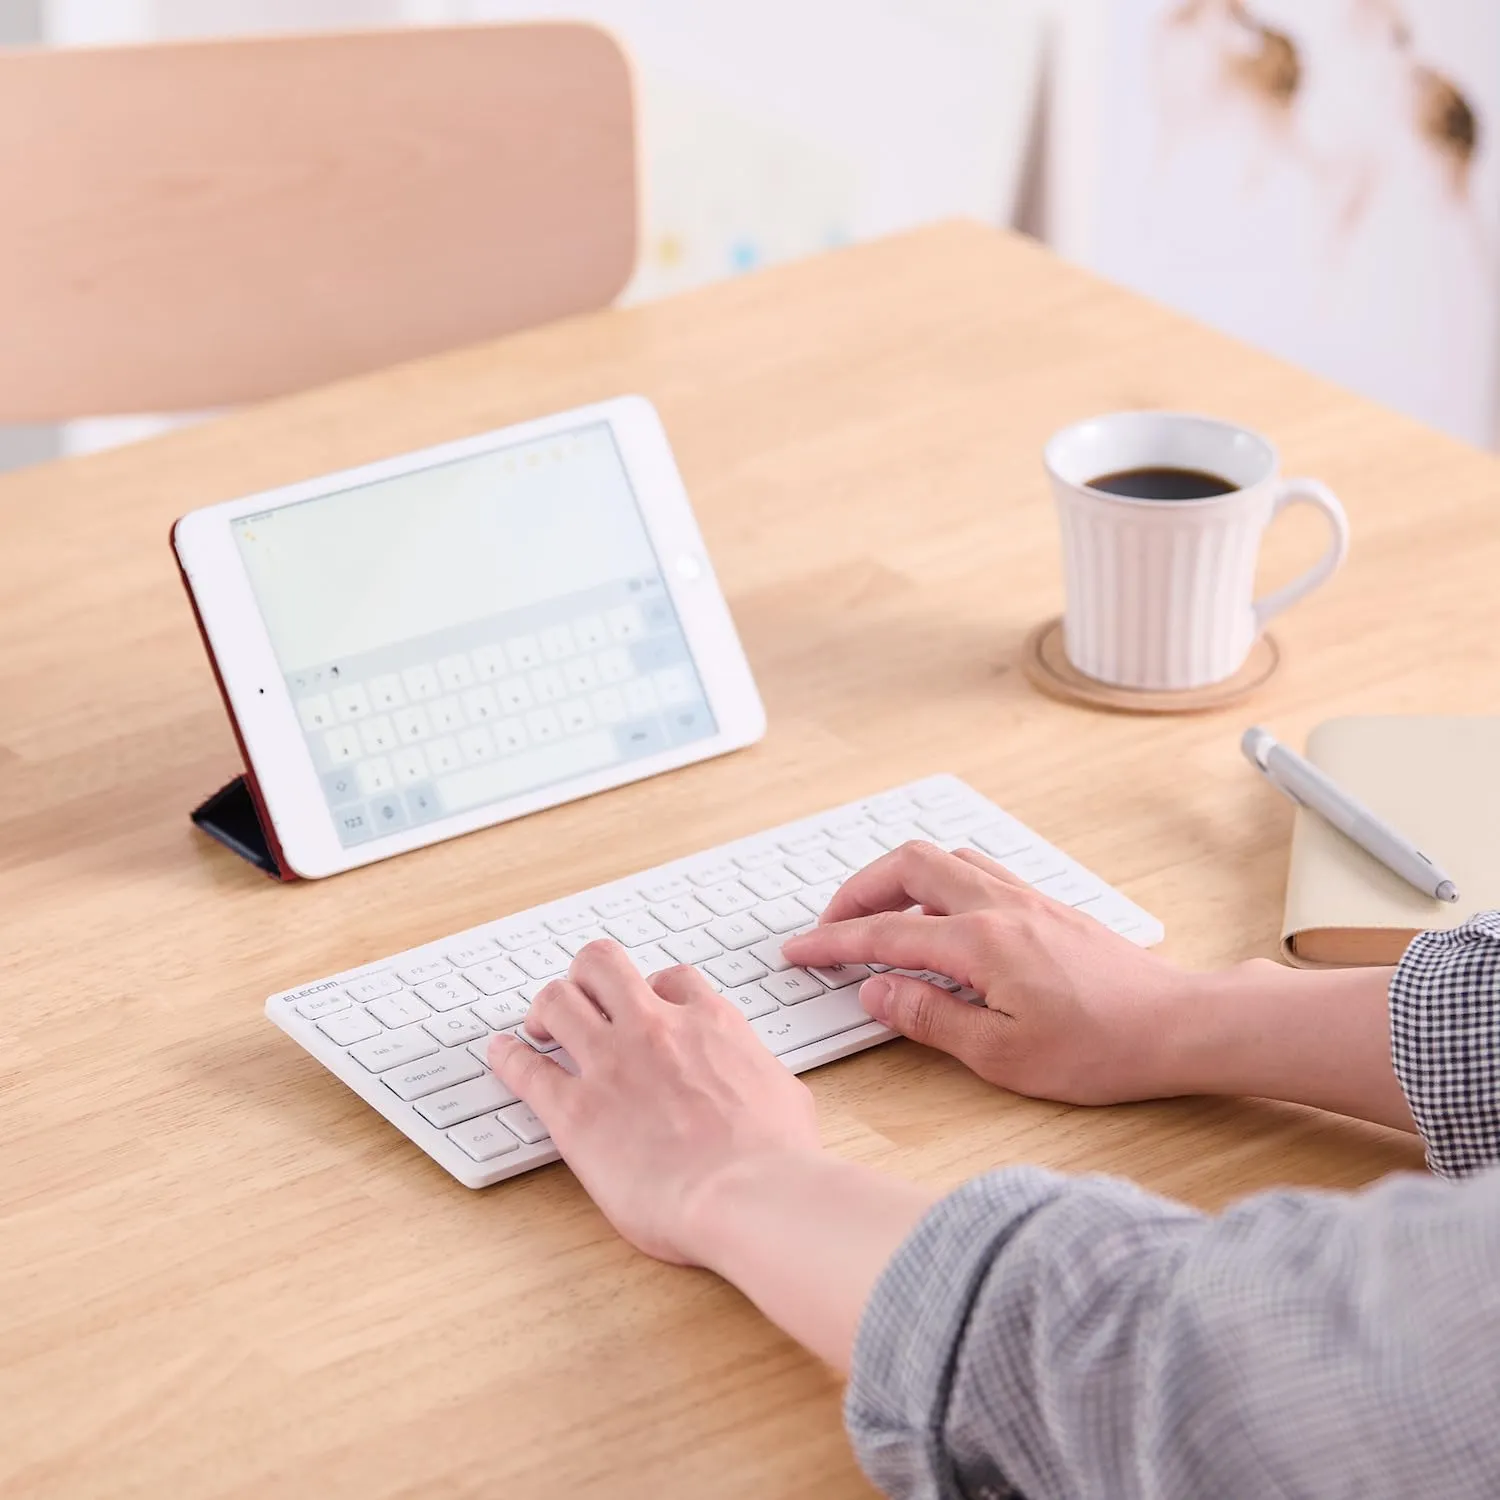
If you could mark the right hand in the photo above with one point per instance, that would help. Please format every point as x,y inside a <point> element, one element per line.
<point>1072,1011</point>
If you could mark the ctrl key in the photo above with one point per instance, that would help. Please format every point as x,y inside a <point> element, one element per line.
<point>484,1138</point>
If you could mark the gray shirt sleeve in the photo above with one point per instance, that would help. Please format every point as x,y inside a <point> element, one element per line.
<point>1061,1338</point>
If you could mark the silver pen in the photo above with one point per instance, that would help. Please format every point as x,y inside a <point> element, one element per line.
<point>1304,783</point>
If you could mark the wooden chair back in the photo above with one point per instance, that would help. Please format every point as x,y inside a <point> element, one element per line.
<point>194,225</point>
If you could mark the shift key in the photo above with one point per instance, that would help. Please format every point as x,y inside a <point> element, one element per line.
<point>463,1102</point>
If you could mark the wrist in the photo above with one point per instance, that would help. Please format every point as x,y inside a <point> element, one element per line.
<point>729,1201</point>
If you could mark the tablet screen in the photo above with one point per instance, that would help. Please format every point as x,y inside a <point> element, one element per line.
<point>463,634</point>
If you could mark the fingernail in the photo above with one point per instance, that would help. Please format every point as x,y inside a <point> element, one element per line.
<point>875,996</point>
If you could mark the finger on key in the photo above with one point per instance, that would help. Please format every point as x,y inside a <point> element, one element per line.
<point>562,1013</point>
<point>606,975</point>
<point>916,874</point>
<point>898,939</point>
<point>991,867</point>
<point>531,1077</point>
<point>682,985</point>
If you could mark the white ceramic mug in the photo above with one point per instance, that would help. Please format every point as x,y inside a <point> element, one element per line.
<point>1161,593</point>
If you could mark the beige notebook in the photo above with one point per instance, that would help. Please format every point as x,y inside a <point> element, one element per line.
<point>1438,782</point>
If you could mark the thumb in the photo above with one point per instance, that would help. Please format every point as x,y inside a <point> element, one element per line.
<point>924,1013</point>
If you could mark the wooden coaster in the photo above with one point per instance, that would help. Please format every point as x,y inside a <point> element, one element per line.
<point>1047,667</point>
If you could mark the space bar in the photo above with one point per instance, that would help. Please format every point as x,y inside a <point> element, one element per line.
<point>812,1021</point>
<point>497,779</point>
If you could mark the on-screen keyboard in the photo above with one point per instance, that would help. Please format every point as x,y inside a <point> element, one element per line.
<point>409,1033</point>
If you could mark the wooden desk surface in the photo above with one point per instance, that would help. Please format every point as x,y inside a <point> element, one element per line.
<point>223,1275</point>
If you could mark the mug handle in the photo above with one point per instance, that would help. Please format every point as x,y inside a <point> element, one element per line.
<point>1305,492</point>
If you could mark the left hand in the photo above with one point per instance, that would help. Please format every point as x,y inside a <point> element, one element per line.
<point>673,1092</point>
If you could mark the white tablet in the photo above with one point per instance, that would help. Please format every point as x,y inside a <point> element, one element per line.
<point>452,638</point>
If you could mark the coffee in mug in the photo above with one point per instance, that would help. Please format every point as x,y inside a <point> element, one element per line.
<point>1162,515</point>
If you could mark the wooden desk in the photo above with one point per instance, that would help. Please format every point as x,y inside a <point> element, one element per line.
<point>222,1275</point>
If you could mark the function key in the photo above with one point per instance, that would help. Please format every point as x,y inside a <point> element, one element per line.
<point>942,794</point>
<point>324,1004</point>
<point>849,827</point>
<point>895,807</point>
<point>523,937</point>
<point>429,968</point>
<point>471,952</point>
<point>949,822</point>
<point>610,907</point>
<point>373,986</point>
<point>572,921</point>
<point>714,874</point>
<point>666,890</point>
<point>758,859</point>
<point>805,843</point>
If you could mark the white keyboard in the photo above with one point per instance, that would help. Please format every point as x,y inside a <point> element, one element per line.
<point>409,1033</point>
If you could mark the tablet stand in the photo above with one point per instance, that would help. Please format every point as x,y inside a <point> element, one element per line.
<point>231,817</point>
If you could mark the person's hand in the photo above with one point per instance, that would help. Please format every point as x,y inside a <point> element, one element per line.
<point>673,1092</point>
<point>1072,1011</point>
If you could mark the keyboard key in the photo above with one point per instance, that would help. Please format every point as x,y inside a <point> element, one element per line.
<point>524,937</point>
<point>375,776</point>
<point>943,795</point>
<point>420,682</point>
<point>386,692</point>
<point>792,986</point>
<point>492,975</point>
<point>446,714</point>
<point>717,873</point>
<point>1036,863</point>
<point>479,1096</point>
<point>480,705</point>
<point>726,899</point>
<point>324,1004</point>
<point>952,822</point>
<point>503,1011</point>
<point>857,852</point>
<point>399,1010</point>
<point>758,859</point>
<point>576,716</point>
<point>432,1074</point>
<point>640,698</point>
<point>805,843</point>
<point>681,913</point>
<point>542,960</point>
<point>484,1139</point>
<point>557,642</point>
<point>410,766</point>
<point>771,881</point>
<point>428,968</point>
<point>673,686</point>
<point>455,1027</point>
<point>769,953</point>
<point>572,921</point>
<point>548,685</point>
<point>735,969</point>
<point>1001,839</point>
<point>393,1048</point>
<point>581,675</point>
<point>650,959</point>
<point>750,1000</point>
<point>471,952</point>
<point>851,827</point>
<point>816,867</point>
<point>610,907</point>
<point>736,932</point>
<point>490,662</point>
<point>836,976</point>
<point>614,665</point>
<point>894,807</point>
<point>691,947</point>
<point>575,942</point>
<point>342,745</point>
<point>524,651</point>
<point>522,1120</point>
<point>536,1043</point>
<point>785,915</point>
<point>1071,888</point>
<point>590,632</point>
<point>816,897</point>
<point>625,623</point>
<point>351,702</point>
<point>514,696</point>
<point>443,755</point>
<point>373,986</point>
<point>635,928</point>
<point>821,1017</point>
<point>447,991</point>
<point>350,1026</point>
<point>608,705</point>
<point>673,889</point>
<point>476,745</point>
<point>543,725</point>
<point>455,672</point>
<point>893,835</point>
<point>316,712</point>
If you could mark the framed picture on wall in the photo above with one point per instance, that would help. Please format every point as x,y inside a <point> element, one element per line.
<point>1321,180</point>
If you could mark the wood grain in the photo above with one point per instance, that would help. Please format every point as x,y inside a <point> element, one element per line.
<point>193,225</point>
<point>222,1276</point>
